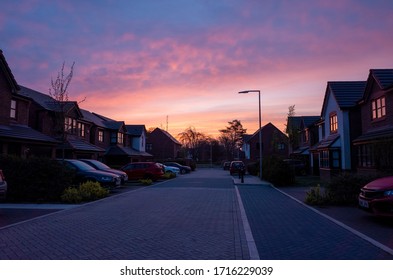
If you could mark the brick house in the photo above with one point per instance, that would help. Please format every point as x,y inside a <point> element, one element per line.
<point>162,145</point>
<point>374,147</point>
<point>63,121</point>
<point>16,137</point>
<point>274,143</point>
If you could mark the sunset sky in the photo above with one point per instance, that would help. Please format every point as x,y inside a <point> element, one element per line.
<point>142,61</point>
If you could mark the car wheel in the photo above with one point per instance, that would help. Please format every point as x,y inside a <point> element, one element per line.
<point>183,171</point>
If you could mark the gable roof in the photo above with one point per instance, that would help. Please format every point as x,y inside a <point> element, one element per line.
<point>8,73</point>
<point>266,126</point>
<point>384,77</point>
<point>167,134</point>
<point>47,102</point>
<point>310,120</point>
<point>101,121</point>
<point>135,129</point>
<point>294,122</point>
<point>347,94</point>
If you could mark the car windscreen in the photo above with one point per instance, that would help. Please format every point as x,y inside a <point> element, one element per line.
<point>83,166</point>
<point>99,164</point>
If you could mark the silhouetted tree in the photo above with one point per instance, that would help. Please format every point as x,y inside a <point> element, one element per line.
<point>191,140</point>
<point>232,138</point>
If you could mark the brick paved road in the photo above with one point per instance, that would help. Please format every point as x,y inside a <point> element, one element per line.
<point>195,216</point>
<point>185,218</point>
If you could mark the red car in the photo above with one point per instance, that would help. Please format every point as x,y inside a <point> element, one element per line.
<point>3,186</point>
<point>236,167</point>
<point>377,197</point>
<point>143,170</point>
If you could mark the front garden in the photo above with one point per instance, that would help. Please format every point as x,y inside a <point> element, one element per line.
<point>43,180</point>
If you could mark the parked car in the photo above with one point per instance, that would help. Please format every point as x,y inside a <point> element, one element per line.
<point>377,197</point>
<point>236,166</point>
<point>103,167</point>
<point>170,169</point>
<point>85,172</point>
<point>297,166</point>
<point>3,186</point>
<point>143,170</point>
<point>183,168</point>
<point>226,165</point>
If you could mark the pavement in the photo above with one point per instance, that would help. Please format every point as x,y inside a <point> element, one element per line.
<point>205,215</point>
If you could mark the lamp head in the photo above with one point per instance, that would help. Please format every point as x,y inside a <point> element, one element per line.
<point>251,90</point>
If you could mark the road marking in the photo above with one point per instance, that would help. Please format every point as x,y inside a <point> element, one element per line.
<point>252,248</point>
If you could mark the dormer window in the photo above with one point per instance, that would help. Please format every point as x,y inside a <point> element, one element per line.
<point>81,129</point>
<point>117,138</point>
<point>13,109</point>
<point>378,108</point>
<point>69,125</point>
<point>333,123</point>
<point>100,136</point>
<point>120,138</point>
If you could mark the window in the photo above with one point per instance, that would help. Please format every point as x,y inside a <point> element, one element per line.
<point>68,125</point>
<point>378,108</point>
<point>100,136</point>
<point>366,156</point>
<point>149,147</point>
<point>333,123</point>
<point>13,109</point>
<point>324,159</point>
<point>120,138</point>
<point>329,159</point>
<point>81,129</point>
<point>281,146</point>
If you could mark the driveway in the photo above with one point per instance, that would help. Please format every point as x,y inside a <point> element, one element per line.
<point>379,229</point>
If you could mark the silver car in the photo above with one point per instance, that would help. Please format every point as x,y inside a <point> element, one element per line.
<point>3,186</point>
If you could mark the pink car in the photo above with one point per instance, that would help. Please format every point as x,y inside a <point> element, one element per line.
<point>377,197</point>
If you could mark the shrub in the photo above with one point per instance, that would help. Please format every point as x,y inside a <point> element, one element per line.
<point>35,179</point>
<point>71,195</point>
<point>169,175</point>
<point>92,191</point>
<point>277,172</point>
<point>146,182</point>
<point>315,196</point>
<point>87,191</point>
<point>345,188</point>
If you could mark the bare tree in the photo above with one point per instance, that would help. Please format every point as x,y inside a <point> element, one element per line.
<point>60,85</point>
<point>191,140</point>
<point>59,93</point>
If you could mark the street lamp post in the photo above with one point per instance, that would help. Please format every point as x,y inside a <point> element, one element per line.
<point>260,128</point>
